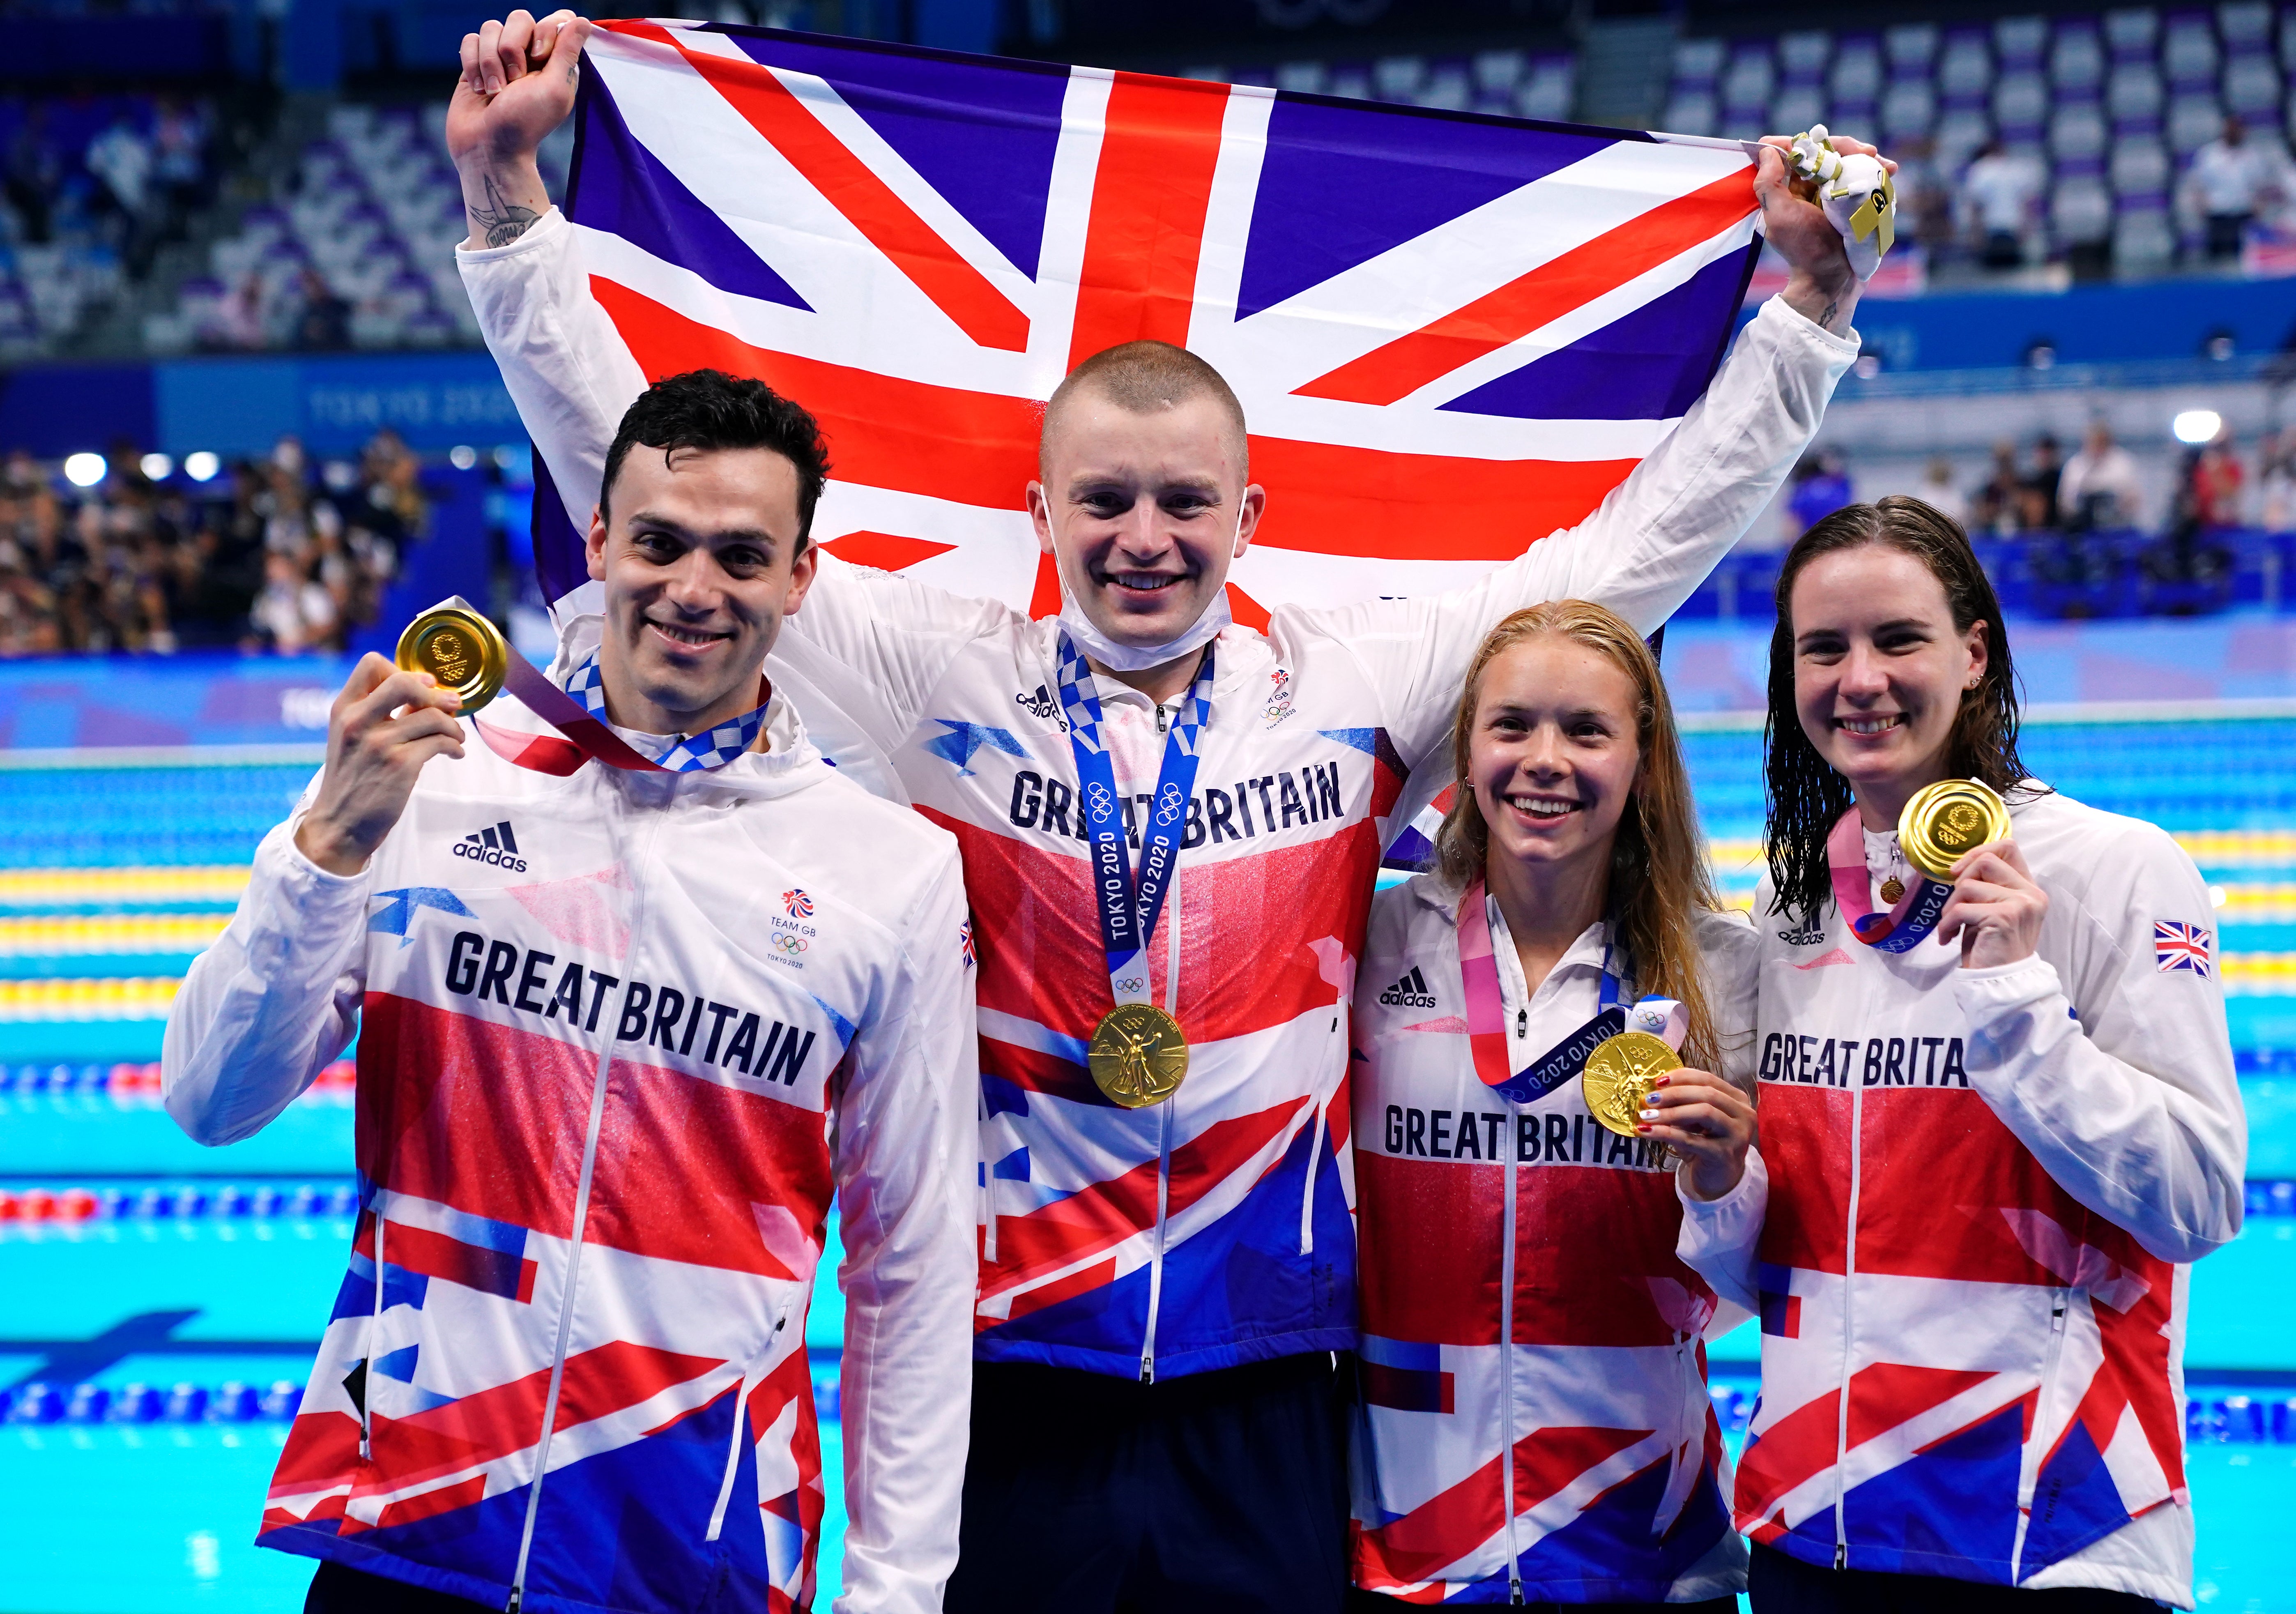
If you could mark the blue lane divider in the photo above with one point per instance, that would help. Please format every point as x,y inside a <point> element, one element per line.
<point>40,1204</point>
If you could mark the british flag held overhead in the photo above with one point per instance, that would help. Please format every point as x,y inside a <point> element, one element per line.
<point>1447,331</point>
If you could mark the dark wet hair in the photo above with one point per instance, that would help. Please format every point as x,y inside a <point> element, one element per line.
<point>1807,797</point>
<point>708,409</point>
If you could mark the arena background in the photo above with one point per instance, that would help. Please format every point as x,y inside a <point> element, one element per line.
<point>248,429</point>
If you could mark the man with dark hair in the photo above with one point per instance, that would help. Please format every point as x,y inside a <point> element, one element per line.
<point>632,999</point>
<point>1171,825</point>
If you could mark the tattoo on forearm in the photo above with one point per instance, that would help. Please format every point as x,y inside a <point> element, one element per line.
<point>1825,320</point>
<point>500,222</point>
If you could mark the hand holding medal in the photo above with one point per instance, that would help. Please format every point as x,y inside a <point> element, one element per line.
<point>1707,1120</point>
<point>1958,831</point>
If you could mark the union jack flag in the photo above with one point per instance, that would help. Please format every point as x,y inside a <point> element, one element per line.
<point>965,942</point>
<point>2177,946</point>
<point>797,904</point>
<point>1447,330</point>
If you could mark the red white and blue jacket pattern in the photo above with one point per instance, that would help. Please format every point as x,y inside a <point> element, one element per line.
<point>1528,1332</point>
<point>1214,1229</point>
<point>1967,1229</point>
<point>621,1038</point>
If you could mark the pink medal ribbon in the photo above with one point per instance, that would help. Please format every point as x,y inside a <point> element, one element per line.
<point>1487,1036</point>
<point>1918,912</point>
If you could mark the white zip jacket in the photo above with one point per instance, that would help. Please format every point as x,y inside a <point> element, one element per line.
<point>1213,1229</point>
<point>621,1036</point>
<point>1975,1198</point>
<point>1528,1330</point>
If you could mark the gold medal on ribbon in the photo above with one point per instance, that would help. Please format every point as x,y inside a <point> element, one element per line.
<point>1947,819</point>
<point>461,649</point>
<point>1139,1055</point>
<point>1619,1075</point>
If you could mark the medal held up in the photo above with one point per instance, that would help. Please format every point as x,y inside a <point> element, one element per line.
<point>1940,825</point>
<point>461,649</point>
<point>1139,1055</point>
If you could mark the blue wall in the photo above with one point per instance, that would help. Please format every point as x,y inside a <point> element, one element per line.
<point>241,405</point>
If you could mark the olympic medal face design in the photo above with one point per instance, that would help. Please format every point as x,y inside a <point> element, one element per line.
<point>461,649</point>
<point>1947,819</point>
<point>1139,1056</point>
<point>1619,1075</point>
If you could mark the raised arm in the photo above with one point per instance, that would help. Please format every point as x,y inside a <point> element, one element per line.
<point>1658,534</point>
<point>908,1140</point>
<point>277,997</point>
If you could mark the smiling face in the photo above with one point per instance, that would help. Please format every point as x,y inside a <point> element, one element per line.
<point>699,565</point>
<point>1554,754</point>
<point>1880,671</point>
<point>1143,513</point>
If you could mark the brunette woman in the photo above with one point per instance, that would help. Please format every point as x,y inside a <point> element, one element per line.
<point>1998,1117</point>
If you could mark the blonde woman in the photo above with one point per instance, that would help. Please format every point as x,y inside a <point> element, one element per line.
<point>1535,1426</point>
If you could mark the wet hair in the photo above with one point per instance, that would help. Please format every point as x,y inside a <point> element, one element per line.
<point>1659,877</point>
<point>710,410</point>
<point>1141,378</point>
<point>1807,798</point>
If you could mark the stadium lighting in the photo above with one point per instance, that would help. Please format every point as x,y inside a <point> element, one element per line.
<point>2197,426</point>
<point>201,466</point>
<point>85,470</point>
<point>159,467</point>
<point>462,456</point>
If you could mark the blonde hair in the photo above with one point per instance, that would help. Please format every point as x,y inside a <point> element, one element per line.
<point>1659,878</point>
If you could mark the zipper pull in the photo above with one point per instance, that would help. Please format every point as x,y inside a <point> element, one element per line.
<point>1514,1585</point>
<point>1841,1554</point>
<point>512,1606</point>
<point>1521,1022</point>
<point>1159,719</point>
<point>1148,1367</point>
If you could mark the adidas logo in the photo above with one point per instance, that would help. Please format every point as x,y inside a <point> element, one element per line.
<point>1409,993</point>
<point>1040,703</point>
<point>496,846</point>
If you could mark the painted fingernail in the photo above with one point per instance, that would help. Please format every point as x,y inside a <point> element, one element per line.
<point>1642,1129</point>
<point>1648,1115</point>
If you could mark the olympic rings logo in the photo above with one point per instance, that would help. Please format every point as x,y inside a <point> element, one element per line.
<point>1103,803</point>
<point>788,943</point>
<point>1169,807</point>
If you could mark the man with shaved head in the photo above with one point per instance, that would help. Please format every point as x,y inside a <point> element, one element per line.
<point>1170,825</point>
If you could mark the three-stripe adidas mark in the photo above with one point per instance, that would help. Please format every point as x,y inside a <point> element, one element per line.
<point>1409,993</point>
<point>496,846</point>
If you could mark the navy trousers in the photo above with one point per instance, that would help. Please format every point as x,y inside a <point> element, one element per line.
<point>1220,1493</point>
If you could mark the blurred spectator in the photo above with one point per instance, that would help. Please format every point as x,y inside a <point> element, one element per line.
<point>2037,493</point>
<point>1939,493</point>
<point>2275,482</point>
<point>322,321</point>
<point>2215,484</point>
<point>1996,510</point>
<point>240,321</point>
<point>275,560</point>
<point>2099,489</point>
<point>1997,194</point>
<point>1820,488</point>
<point>1924,202</point>
<point>179,140</point>
<point>2232,179</point>
<point>34,173</point>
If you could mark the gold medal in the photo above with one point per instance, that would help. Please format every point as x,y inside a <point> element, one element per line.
<point>1619,1075</point>
<point>1139,1055</point>
<point>461,649</point>
<point>1947,819</point>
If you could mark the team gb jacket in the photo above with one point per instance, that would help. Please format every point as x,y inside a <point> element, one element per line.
<point>1981,1189</point>
<point>1212,1229</point>
<point>621,1036</point>
<point>1528,1331</point>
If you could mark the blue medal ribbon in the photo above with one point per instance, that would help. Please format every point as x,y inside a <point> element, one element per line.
<point>1128,907</point>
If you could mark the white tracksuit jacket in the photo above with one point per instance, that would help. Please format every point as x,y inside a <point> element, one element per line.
<point>1973,1204</point>
<point>621,1038</point>
<point>1528,1329</point>
<point>1212,1230</point>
